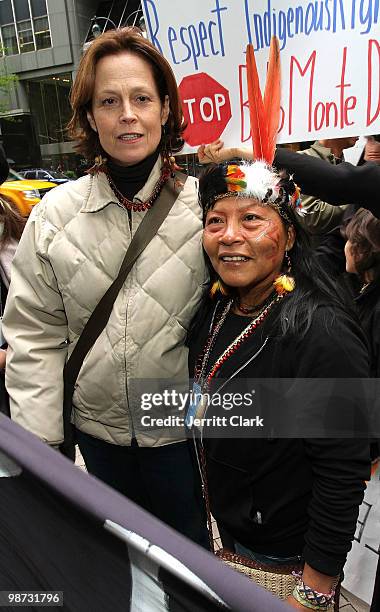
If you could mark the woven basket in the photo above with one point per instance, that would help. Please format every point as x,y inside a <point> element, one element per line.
<point>278,580</point>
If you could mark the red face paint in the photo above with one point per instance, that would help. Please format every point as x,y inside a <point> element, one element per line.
<point>245,242</point>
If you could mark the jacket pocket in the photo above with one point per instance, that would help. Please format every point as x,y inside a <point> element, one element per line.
<point>231,496</point>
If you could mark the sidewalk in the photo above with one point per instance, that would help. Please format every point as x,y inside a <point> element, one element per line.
<point>350,603</point>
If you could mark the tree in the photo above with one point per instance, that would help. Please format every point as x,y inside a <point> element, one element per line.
<point>8,84</point>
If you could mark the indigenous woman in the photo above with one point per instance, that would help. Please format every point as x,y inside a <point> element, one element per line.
<point>282,500</point>
<point>127,122</point>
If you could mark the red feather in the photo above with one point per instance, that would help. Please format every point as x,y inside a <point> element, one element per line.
<point>256,108</point>
<point>264,115</point>
<point>272,97</point>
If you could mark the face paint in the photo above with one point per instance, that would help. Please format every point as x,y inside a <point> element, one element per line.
<point>275,236</point>
<point>263,233</point>
<point>245,242</point>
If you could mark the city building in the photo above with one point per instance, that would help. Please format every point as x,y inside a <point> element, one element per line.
<point>41,42</point>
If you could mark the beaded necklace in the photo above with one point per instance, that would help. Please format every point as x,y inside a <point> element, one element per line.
<point>202,363</point>
<point>139,206</point>
<point>255,308</point>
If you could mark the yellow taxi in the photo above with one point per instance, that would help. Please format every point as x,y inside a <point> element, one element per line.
<point>24,193</point>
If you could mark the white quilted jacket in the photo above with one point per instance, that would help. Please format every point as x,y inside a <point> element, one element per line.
<point>69,254</point>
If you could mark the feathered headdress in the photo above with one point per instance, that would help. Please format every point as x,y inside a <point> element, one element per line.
<point>265,115</point>
<point>258,179</point>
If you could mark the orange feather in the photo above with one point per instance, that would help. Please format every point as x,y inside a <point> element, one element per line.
<point>272,97</point>
<point>256,108</point>
<point>264,114</point>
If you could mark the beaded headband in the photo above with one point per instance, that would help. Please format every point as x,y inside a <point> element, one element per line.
<point>256,180</point>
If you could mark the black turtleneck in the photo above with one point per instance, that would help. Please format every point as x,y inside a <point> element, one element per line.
<point>130,179</point>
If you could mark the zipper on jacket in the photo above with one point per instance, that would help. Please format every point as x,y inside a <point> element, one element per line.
<point>132,427</point>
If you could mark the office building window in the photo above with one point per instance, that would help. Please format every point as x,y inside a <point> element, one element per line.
<point>9,42</point>
<point>25,36</point>
<point>6,14</point>
<point>49,103</point>
<point>21,8</point>
<point>42,32</point>
<point>38,8</point>
<point>24,26</point>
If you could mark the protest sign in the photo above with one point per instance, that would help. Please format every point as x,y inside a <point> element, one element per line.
<point>330,58</point>
<point>362,561</point>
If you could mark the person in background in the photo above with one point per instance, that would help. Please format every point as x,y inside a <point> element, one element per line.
<point>11,228</point>
<point>362,252</point>
<point>127,120</point>
<point>276,315</point>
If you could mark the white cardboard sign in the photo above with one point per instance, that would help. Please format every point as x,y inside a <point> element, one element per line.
<point>330,59</point>
<point>361,565</point>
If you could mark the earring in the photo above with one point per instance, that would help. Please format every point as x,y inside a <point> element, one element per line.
<point>100,162</point>
<point>285,283</point>
<point>288,262</point>
<point>99,165</point>
<point>166,151</point>
<point>218,287</point>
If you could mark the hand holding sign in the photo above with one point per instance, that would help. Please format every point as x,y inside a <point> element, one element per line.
<point>216,153</point>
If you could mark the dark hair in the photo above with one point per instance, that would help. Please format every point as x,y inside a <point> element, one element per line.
<point>13,222</point>
<point>313,285</point>
<point>363,232</point>
<point>114,42</point>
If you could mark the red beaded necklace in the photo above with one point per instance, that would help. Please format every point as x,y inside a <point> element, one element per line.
<point>254,308</point>
<point>200,370</point>
<point>139,206</point>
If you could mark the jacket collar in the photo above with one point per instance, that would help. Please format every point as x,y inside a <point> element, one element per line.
<point>101,195</point>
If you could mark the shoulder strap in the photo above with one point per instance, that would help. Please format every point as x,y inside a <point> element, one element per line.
<point>98,320</point>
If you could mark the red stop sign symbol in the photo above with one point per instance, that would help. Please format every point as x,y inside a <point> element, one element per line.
<point>206,108</point>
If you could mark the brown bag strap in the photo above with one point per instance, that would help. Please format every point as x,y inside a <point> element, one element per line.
<point>98,320</point>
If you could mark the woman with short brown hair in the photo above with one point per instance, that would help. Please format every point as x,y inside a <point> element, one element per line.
<point>127,121</point>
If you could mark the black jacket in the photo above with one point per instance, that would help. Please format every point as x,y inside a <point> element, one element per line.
<point>341,184</point>
<point>282,495</point>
